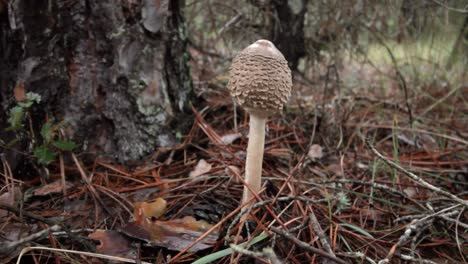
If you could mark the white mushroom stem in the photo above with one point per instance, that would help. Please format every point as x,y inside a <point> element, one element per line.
<point>253,167</point>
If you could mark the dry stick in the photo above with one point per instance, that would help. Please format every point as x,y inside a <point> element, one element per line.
<point>90,186</point>
<point>28,214</point>
<point>231,22</point>
<point>5,247</point>
<point>457,236</point>
<point>267,253</point>
<point>414,177</point>
<point>62,175</point>
<point>265,203</point>
<point>84,253</point>
<point>447,218</point>
<point>319,231</point>
<point>8,175</point>
<point>306,246</point>
<point>415,260</point>
<point>374,185</point>
<point>414,229</point>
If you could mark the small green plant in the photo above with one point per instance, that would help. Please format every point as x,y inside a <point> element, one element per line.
<point>46,152</point>
<point>343,202</point>
<point>18,112</point>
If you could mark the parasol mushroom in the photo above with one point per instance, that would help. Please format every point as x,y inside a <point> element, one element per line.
<point>260,81</point>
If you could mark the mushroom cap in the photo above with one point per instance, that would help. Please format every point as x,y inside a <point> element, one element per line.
<point>260,79</point>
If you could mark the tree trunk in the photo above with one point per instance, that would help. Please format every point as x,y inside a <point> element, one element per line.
<point>115,71</point>
<point>288,29</point>
<point>409,18</point>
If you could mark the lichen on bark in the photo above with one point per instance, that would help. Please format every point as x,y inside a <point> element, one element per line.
<point>117,72</point>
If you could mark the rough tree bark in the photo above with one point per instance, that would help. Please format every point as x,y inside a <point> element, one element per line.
<point>116,71</point>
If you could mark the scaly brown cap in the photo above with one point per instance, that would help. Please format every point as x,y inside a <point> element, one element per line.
<point>260,79</point>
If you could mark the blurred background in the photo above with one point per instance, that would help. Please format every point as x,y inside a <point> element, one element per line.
<point>354,44</point>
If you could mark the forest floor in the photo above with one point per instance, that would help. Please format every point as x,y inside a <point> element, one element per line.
<point>363,175</point>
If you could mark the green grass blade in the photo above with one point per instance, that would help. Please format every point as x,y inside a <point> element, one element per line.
<point>357,229</point>
<point>228,251</point>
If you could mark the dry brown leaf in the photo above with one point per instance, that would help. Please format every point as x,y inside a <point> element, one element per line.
<point>371,214</point>
<point>52,188</point>
<point>19,92</point>
<point>201,168</point>
<point>144,210</point>
<point>315,152</point>
<point>174,234</point>
<point>112,243</point>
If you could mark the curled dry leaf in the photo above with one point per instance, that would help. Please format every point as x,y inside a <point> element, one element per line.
<point>201,168</point>
<point>144,210</point>
<point>112,243</point>
<point>174,234</point>
<point>315,152</point>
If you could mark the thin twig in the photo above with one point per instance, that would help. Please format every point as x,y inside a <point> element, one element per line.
<point>27,214</point>
<point>267,253</point>
<point>319,231</point>
<point>89,185</point>
<point>459,10</point>
<point>306,246</point>
<point>6,247</point>
<point>84,253</point>
<point>414,177</point>
<point>266,202</point>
